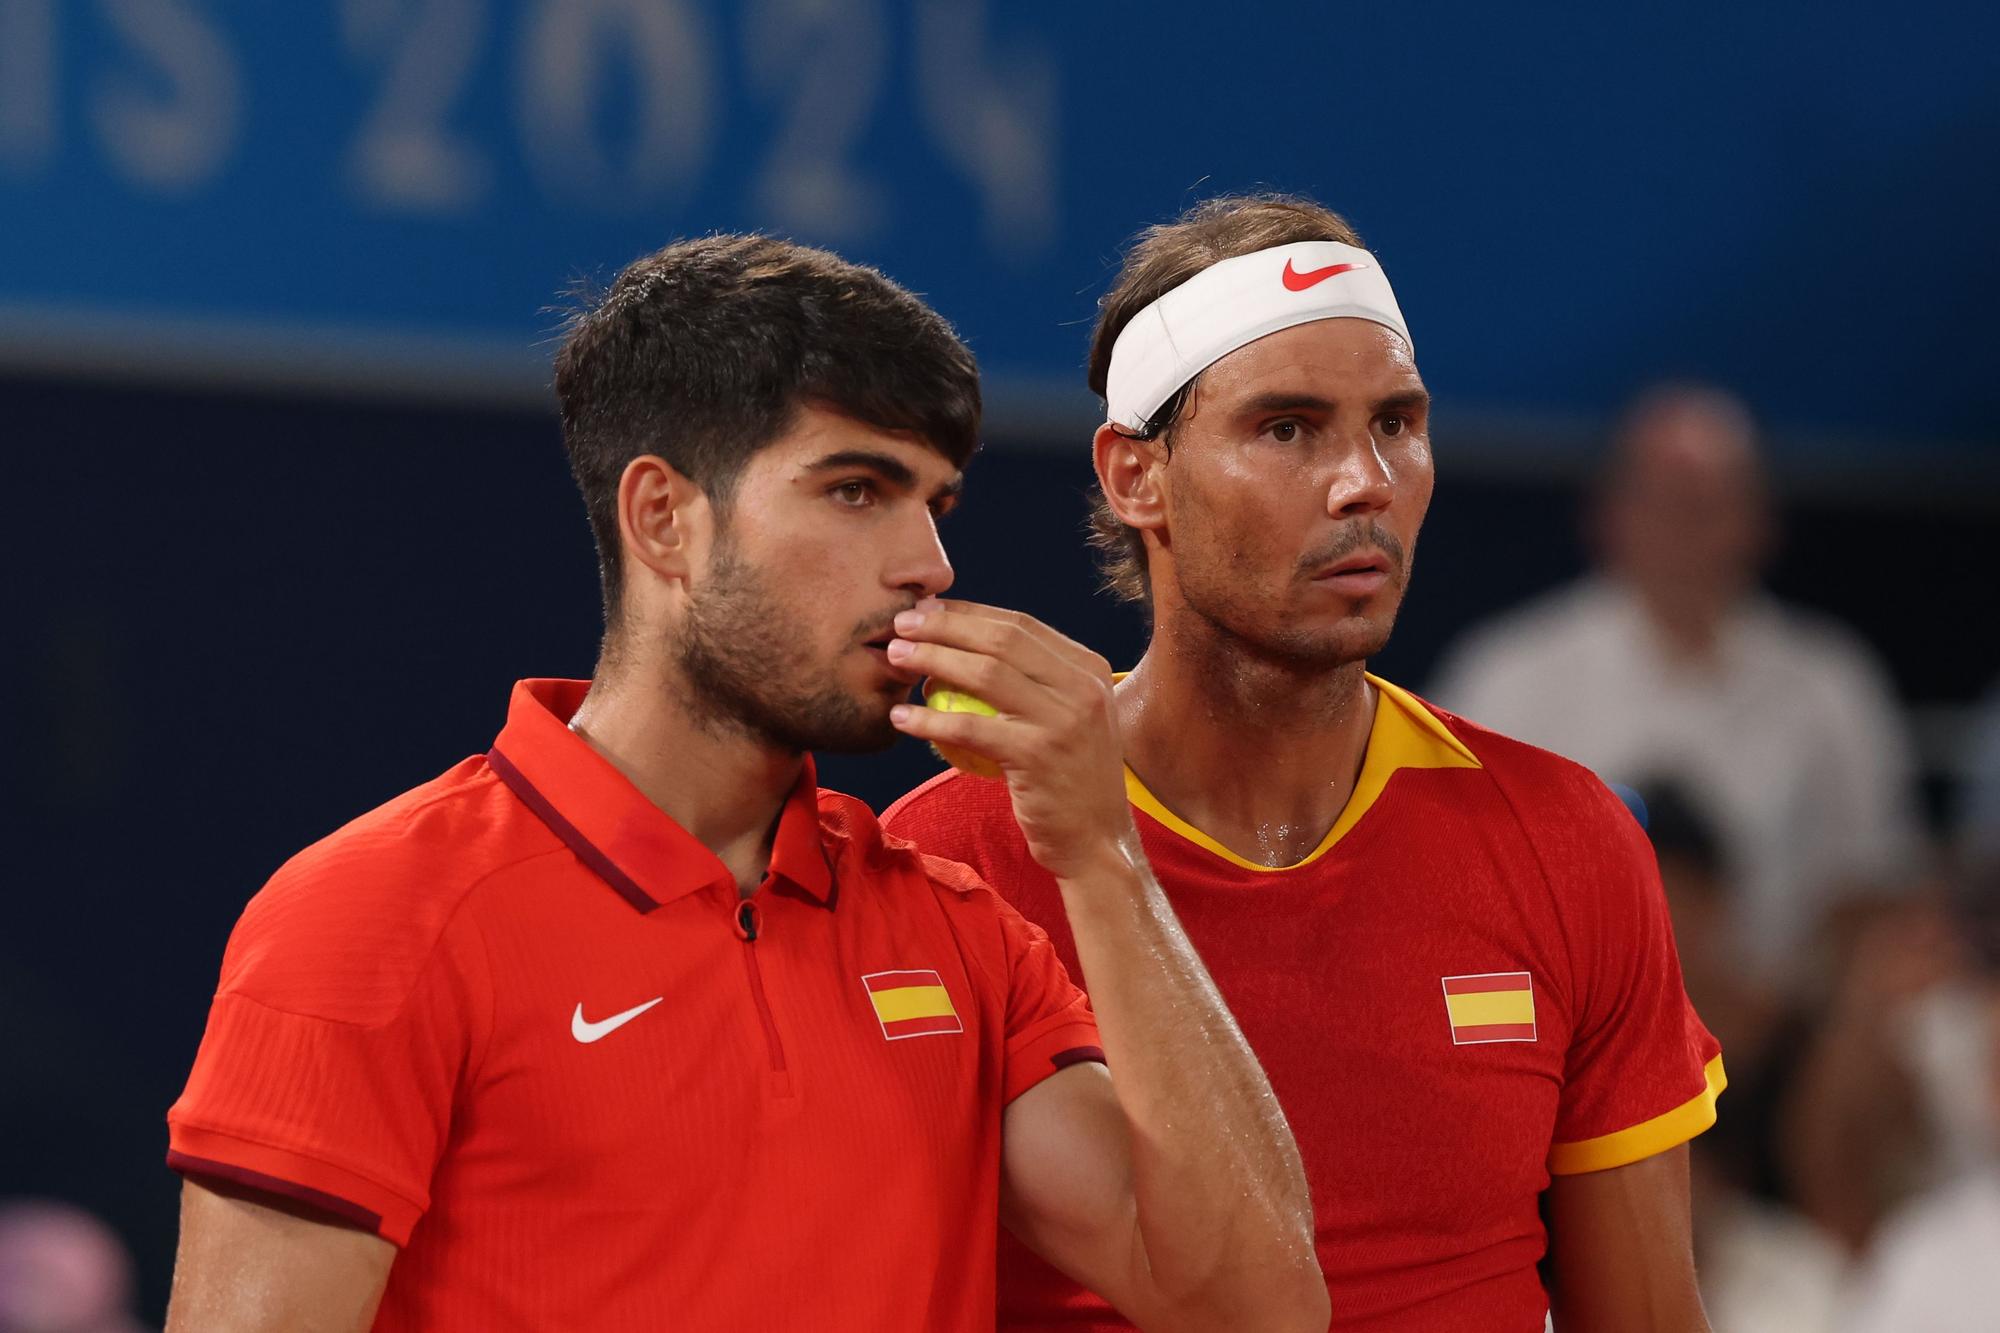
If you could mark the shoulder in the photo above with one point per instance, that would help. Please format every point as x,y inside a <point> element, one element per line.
<point>345,928</point>
<point>1562,808</point>
<point>1818,648</point>
<point>962,818</point>
<point>950,802</point>
<point>884,854</point>
<point>1523,769</point>
<point>989,928</point>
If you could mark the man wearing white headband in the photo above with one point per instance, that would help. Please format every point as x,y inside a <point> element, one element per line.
<point>1450,950</point>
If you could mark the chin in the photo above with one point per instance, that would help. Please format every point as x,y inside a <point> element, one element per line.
<point>863,729</point>
<point>1347,640</point>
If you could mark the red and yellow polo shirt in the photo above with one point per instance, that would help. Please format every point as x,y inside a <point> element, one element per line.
<point>1469,985</point>
<point>520,1023</point>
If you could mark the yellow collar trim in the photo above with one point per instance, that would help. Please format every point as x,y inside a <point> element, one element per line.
<point>1405,734</point>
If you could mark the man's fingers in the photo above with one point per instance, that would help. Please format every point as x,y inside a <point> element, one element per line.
<point>993,737</point>
<point>997,682</point>
<point>1020,640</point>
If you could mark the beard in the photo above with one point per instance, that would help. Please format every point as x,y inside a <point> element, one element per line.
<point>745,655</point>
<point>1262,625</point>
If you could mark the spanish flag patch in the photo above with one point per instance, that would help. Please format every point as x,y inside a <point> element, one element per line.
<point>1490,1006</point>
<point>911,1004</point>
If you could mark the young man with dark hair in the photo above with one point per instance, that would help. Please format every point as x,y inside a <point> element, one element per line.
<point>1449,950</point>
<point>624,1025</point>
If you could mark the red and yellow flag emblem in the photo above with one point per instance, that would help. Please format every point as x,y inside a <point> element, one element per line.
<point>1490,1006</point>
<point>911,1004</point>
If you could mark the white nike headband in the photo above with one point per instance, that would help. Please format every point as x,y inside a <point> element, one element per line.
<point>1232,304</point>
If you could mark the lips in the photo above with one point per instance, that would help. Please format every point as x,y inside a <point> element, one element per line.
<point>1361,562</point>
<point>878,648</point>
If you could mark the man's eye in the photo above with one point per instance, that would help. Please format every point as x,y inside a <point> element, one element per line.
<point>1394,424</point>
<point>1284,432</point>
<point>854,493</point>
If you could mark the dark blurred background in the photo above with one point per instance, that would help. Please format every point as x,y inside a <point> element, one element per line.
<point>283,509</point>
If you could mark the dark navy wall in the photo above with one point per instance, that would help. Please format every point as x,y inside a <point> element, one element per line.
<point>233,622</point>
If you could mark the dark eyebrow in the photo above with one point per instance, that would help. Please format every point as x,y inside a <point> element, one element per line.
<point>886,466</point>
<point>1287,401</point>
<point>1282,401</point>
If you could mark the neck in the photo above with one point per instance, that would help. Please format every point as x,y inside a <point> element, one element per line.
<point>1289,737</point>
<point>720,784</point>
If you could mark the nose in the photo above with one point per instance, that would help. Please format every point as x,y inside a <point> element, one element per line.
<point>922,568</point>
<point>1362,483</point>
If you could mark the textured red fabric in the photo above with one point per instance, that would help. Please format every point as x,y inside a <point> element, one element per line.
<point>1425,1156</point>
<point>396,1036</point>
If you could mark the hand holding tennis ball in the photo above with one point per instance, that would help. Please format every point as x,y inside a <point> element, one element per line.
<point>1011,698</point>
<point>957,701</point>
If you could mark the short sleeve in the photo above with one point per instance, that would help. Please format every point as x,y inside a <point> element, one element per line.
<point>327,1073</point>
<point>1049,1023</point>
<point>1642,1074</point>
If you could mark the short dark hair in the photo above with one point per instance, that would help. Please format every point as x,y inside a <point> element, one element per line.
<point>704,353</point>
<point>1161,258</point>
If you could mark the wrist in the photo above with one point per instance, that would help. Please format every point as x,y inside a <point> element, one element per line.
<point>1110,870</point>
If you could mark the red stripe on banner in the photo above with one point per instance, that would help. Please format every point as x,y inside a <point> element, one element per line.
<point>1484,985</point>
<point>916,1027</point>
<point>1494,1032</point>
<point>898,980</point>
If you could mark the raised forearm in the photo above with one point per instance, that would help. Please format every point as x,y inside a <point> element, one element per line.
<point>1220,1224</point>
<point>1223,1215</point>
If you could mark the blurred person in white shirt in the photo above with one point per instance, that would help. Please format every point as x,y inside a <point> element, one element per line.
<point>1669,661</point>
<point>1935,1266</point>
<point>1978,826</point>
<point>1763,1266</point>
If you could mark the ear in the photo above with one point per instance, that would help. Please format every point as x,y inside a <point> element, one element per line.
<point>664,519</point>
<point>1129,470</point>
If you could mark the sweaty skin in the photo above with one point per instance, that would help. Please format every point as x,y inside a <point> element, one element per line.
<point>1175,1189</point>
<point>1296,453</point>
<point>1173,1226</point>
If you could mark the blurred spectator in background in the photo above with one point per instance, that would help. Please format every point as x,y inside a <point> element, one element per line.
<point>1935,1266</point>
<point>1978,827</point>
<point>61,1271</point>
<point>1764,1267</point>
<point>1855,1090</point>
<point>1669,661</point>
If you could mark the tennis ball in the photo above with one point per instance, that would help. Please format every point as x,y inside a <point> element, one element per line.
<point>965,761</point>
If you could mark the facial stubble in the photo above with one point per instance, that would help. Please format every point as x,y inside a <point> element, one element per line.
<point>1210,587</point>
<point>746,655</point>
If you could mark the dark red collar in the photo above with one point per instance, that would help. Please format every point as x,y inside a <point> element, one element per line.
<point>616,831</point>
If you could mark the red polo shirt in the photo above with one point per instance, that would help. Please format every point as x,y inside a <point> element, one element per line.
<point>520,1023</point>
<point>1468,987</point>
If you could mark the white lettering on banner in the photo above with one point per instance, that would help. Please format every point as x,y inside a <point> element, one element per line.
<point>171,125</point>
<point>407,157</point>
<point>828,61</point>
<point>997,124</point>
<point>27,83</point>
<point>566,47</point>
<point>774,109</point>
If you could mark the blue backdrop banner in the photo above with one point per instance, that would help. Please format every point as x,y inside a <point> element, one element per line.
<point>1796,198</point>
